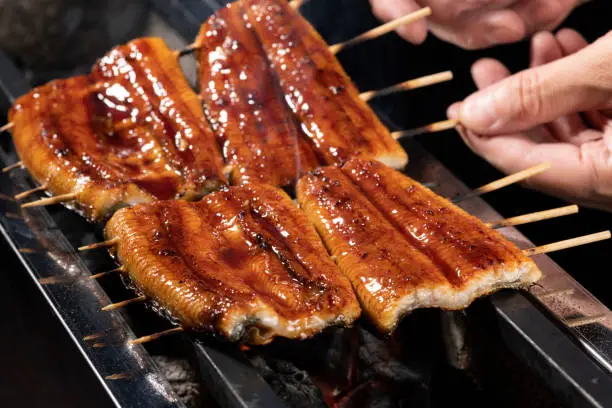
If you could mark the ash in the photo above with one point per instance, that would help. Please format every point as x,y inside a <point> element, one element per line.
<point>182,378</point>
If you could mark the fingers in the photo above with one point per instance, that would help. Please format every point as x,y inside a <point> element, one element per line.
<point>388,10</point>
<point>480,30</point>
<point>572,171</point>
<point>580,82</point>
<point>545,48</point>
<point>570,41</point>
<point>488,71</point>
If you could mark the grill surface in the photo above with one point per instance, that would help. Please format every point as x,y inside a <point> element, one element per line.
<point>575,362</point>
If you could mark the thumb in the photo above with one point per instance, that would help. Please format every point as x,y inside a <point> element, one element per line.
<point>577,83</point>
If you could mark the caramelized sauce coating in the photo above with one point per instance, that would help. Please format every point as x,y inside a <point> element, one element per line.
<point>244,104</point>
<point>148,88</point>
<point>402,246</point>
<point>381,265</point>
<point>462,247</point>
<point>129,132</point>
<point>56,142</point>
<point>243,262</point>
<point>319,92</point>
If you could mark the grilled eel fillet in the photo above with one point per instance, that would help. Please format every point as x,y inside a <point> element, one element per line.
<point>148,82</point>
<point>244,262</point>
<point>339,124</point>
<point>402,246</point>
<point>244,104</point>
<point>129,132</point>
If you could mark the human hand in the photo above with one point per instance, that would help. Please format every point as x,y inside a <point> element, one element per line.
<point>473,24</point>
<point>558,111</point>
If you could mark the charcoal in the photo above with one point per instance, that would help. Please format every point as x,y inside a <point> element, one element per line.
<point>377,360</point>
<point>182,378</point>
<point>376,395</point>
<point>294,386</point>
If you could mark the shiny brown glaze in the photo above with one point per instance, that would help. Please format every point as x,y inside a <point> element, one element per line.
<point>381,265</point>
<point>130,132</point>
<point>146,86</point>
<point>339,124</point>
<point>403,247</point>
<point>461,245</point>
<point>245,106</point>
<point>56,142</point>
<point>244,262</point>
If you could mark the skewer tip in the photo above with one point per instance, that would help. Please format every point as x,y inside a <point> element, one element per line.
<point>120,269</point>
<point>104,244</point>
<point>13,166</point>
<point>63,198</point>
<point>28,193</point>
<point>7,127</point>
<point>152,337</point>
<point>431,128</point>
<point>124,303</point>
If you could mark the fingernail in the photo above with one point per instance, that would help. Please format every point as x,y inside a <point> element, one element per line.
<point>453,111</point>
<point>478,111</point>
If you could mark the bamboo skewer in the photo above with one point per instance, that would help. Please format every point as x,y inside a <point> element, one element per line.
<point>506,181</point>
<point>120,269</point>
<point>408,85</point>
<point>104,244</point>
<point>534,217</point>
<point>118,376</point>
<point>13,166</point>
<point>336,48</point>
<point>6,127</point>
<point>155,336</point>
<point>432,128</point>
<point>367,96</point>
<point>119,305</point>
<point>227,169</point>
<point>93,337</point>
<point>62,198</point>
<point>568,243</point>
<point>28,193</point>
<point>381,30</point>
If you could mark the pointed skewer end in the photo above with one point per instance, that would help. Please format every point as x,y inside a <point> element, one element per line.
<point>7,127</point>
<point>104,244</point>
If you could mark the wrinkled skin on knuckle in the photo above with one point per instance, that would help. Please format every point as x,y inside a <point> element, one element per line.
<point>601,69</point>
<point>528,101</point>
<point>598,160</point>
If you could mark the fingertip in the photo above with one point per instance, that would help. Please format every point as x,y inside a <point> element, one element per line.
<point>453,111</point>
<point>544,48</point>
<point>416,33</point>
<point>570,41</point>
<point>488,71</point>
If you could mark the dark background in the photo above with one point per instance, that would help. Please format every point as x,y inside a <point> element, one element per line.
<point>42,367</point>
